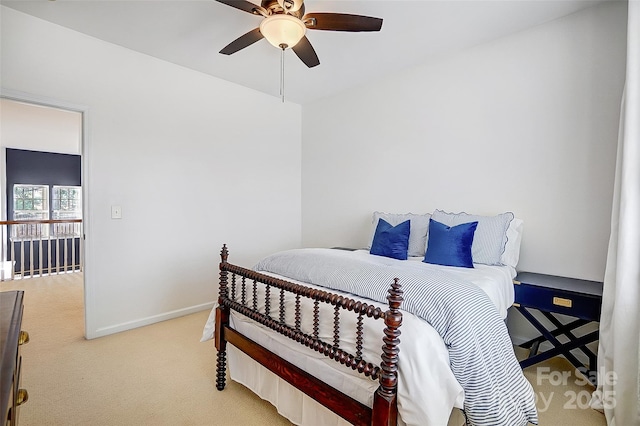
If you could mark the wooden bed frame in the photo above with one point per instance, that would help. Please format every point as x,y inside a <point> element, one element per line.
<point>384,411</point>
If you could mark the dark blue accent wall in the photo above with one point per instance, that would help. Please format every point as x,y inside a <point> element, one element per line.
<point>40,168</point>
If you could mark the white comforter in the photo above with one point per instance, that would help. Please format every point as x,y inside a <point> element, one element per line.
<point>427,389</point>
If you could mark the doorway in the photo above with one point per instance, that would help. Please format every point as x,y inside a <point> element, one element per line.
<point>42,126</point>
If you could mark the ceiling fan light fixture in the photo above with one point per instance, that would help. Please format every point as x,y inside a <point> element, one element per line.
<point>282,31</point>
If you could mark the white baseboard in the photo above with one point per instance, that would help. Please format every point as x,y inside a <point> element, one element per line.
<point>117,328</point>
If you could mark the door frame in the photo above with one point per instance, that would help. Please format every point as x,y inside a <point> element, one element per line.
<point>84,150</point>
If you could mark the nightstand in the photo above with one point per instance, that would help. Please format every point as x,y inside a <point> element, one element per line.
<point>549,294</point>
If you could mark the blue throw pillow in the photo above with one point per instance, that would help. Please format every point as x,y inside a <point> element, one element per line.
<point>391,241</point>
<point>450,245</point>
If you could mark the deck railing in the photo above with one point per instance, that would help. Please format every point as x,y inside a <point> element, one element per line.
<point>30,248</point>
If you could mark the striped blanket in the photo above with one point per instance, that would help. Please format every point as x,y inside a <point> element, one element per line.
<point>480,351</point>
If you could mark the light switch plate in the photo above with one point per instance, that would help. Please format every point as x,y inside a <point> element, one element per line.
<point>116,212</point>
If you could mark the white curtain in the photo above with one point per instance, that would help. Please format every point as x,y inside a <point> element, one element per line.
<point>618,392</point>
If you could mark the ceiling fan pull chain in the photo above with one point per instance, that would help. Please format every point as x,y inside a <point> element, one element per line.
<point>282,71</point>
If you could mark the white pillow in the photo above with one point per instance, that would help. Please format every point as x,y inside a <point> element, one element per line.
<point>417,234</point>
<point>511,254</point>
<point>490,238</point>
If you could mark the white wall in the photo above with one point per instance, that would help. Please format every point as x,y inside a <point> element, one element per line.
<point>184,155</point>
<point>39,128</point>
<point>527,124</point>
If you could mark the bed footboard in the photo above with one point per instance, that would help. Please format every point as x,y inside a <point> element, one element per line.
<point>233,296</point>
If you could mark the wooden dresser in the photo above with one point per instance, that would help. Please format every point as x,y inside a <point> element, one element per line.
<point>11,338</point>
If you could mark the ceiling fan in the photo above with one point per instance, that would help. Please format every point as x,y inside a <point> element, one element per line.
<point>285,24</point>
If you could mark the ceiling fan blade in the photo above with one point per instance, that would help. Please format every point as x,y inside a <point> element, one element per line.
<point>247,6</point>
<point>341,22</point>
<point>243,41</point>
<point>306,53</point>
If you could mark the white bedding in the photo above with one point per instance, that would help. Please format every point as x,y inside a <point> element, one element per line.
<point>427,389</point>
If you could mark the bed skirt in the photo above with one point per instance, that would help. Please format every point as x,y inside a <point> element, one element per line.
<point>291,403</point>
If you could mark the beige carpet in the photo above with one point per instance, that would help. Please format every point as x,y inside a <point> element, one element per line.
<point>562,397</point>
<point>162,375</point>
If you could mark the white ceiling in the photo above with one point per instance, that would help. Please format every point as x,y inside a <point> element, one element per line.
<point>190,33</point>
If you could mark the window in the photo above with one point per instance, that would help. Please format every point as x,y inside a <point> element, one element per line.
<point>67,202</point>
<point>30,202</point>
